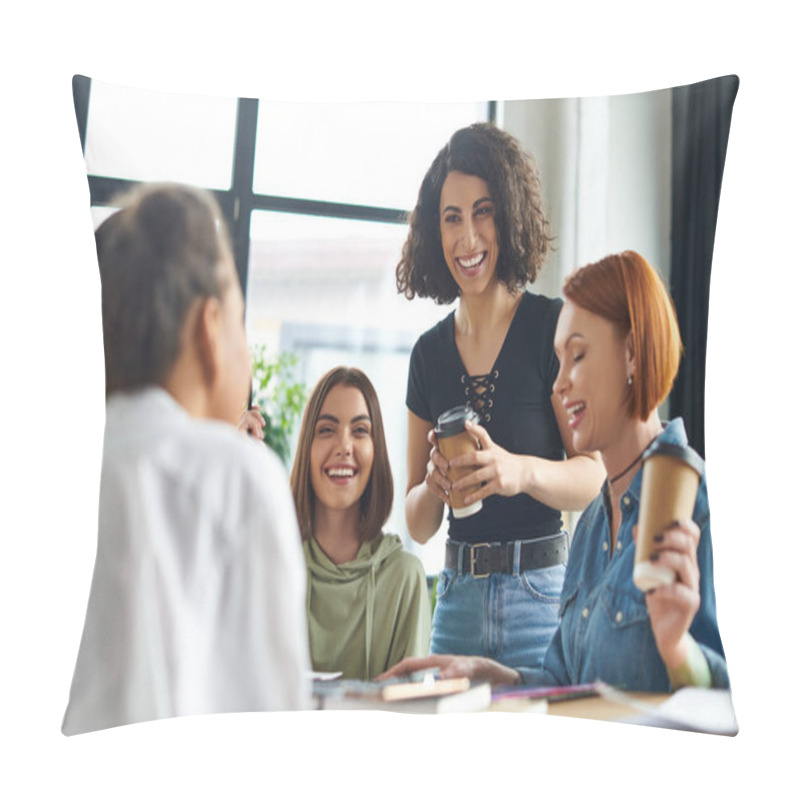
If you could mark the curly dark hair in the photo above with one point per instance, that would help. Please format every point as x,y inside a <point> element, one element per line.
<point>523,233</point>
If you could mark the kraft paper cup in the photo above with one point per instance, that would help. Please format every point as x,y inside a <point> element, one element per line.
<point>669,490</point>
<point>454,440</point>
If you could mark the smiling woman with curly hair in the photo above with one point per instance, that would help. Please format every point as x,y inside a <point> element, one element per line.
<point>523,232</point>
<point>478,234</point>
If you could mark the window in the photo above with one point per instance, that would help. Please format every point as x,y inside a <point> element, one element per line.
<point>315,196</point>
<point>149,136</point>
<point>321,278</point>
<point>372,154</point>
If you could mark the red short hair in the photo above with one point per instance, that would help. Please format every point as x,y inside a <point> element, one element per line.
<point>626,290</point>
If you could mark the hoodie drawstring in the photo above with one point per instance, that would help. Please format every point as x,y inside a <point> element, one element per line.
<point>370,610</point>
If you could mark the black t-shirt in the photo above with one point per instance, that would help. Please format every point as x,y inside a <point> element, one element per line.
<point>517,414</point>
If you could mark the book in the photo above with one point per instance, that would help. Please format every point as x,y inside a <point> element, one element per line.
<point>519,705</point>
<point>441,696</point>
<point>553,694</point>
<point>411,690</point>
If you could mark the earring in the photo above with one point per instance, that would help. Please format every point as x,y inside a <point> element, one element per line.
<point>630,380</point>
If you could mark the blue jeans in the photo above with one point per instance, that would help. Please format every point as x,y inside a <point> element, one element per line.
<point>510,618</point>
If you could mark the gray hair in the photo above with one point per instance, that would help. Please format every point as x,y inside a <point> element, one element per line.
<point>158,254</point>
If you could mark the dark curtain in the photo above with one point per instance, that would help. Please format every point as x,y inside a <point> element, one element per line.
<point>701,119</point>
<point>81,89</point>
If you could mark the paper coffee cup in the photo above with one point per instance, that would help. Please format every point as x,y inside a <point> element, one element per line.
<point>669,490</point>
<point>454,440</point>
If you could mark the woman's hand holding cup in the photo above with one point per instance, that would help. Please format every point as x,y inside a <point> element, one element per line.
<point>672,607</point>
<point>454,439</point>
<point>496,471</point>
<point>436,475</point>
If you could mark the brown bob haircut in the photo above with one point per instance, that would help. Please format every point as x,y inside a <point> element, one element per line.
<point>626,290</point>
<point>523,233</point>
<point>376,502</point>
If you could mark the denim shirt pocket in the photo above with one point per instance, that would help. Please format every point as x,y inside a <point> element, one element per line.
<point>624,608</point>
<point>627,657</point>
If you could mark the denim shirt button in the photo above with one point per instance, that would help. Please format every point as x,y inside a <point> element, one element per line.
<point>626,501</point>
<point>585,613</point>
<point>605,545</point>
<point>619,544</point>
<point>619,616</point>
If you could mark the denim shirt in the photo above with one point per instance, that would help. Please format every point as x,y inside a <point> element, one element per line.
<point>604,630</point>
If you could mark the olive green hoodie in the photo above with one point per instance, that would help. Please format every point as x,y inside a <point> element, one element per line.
<point>367,614</point>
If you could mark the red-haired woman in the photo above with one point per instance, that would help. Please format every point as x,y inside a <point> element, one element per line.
<point>618,344</point>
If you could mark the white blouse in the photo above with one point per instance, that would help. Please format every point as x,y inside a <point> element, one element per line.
<point>197,602</point>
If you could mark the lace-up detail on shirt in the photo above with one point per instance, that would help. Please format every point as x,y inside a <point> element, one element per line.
<point>478,391</point>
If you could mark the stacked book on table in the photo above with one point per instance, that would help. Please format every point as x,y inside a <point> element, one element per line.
<point>537,698</point>
<point>429,695</point>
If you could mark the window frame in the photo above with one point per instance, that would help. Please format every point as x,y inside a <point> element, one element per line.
<point>238,202</point>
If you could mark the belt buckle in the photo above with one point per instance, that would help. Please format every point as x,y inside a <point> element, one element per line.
<point>472,550</point>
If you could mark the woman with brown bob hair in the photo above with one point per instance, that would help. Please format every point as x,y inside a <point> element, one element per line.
<point>478,234</point>
<point>619,347</point>
<point>367,600</point>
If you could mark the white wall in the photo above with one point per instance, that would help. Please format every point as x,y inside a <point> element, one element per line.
<point>605,164</point>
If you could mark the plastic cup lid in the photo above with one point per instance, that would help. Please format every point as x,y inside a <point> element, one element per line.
<point>451,422</point>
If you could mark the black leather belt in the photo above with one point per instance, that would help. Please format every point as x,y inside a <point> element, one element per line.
<point>480,560</point>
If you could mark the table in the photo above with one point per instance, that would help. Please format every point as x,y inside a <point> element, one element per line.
<point>689,708</point>
<point>593,707</point>
<point>601,708</point>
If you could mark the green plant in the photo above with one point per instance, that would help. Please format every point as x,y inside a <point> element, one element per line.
<point>280,398</point>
